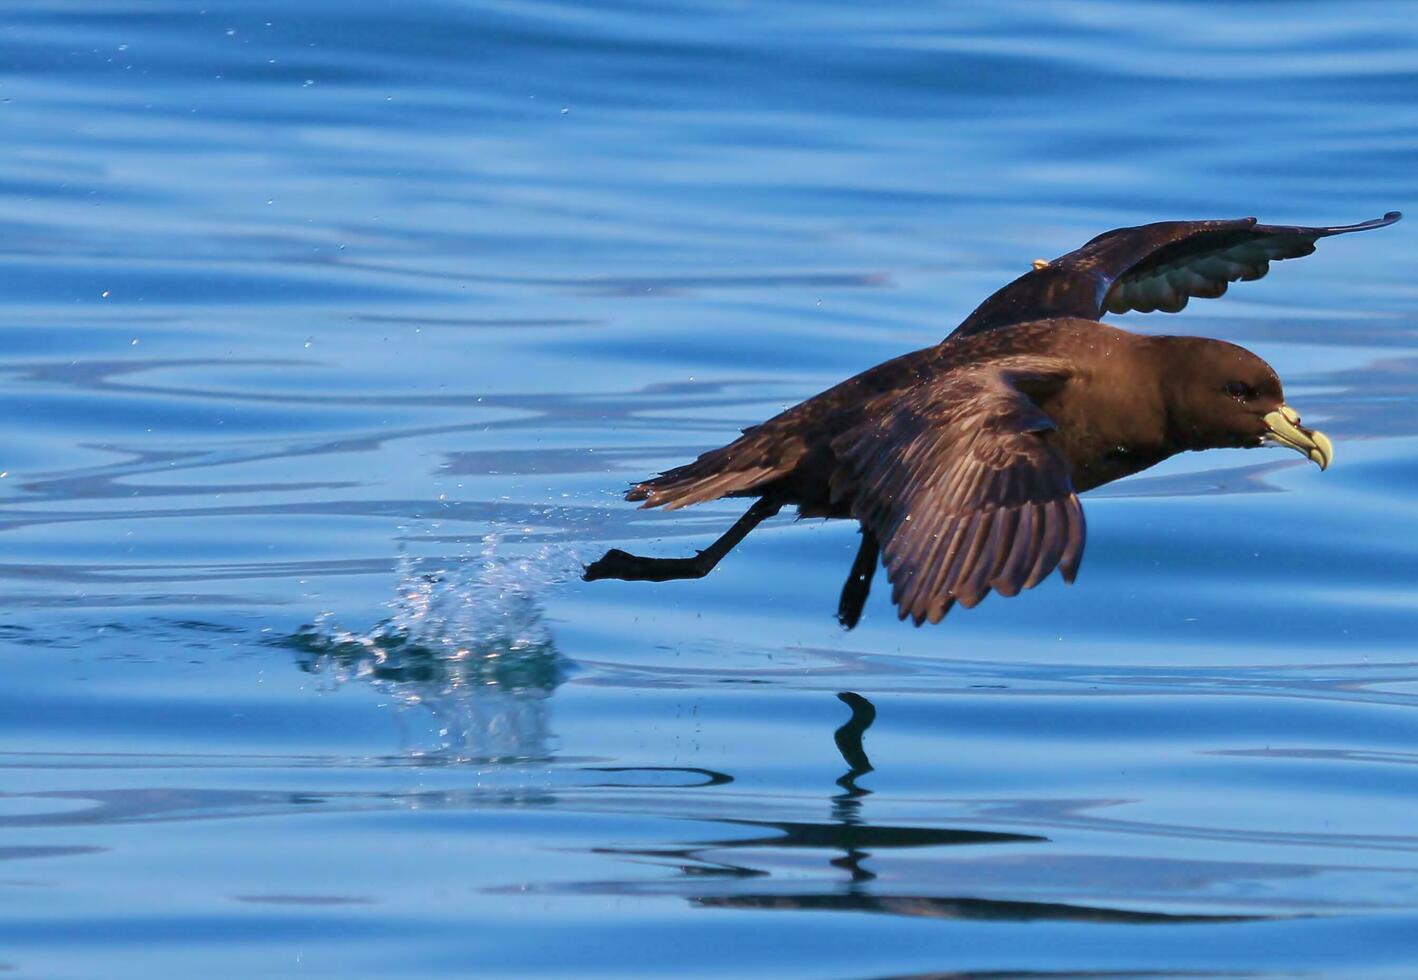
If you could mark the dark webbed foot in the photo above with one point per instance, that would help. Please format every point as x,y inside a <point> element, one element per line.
<point>609,565</point>
<point>623,565</point>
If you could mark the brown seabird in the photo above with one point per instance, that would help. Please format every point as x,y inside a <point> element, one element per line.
<point>963,462</point>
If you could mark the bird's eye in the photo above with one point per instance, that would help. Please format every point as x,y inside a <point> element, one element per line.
<point>1241,390</point>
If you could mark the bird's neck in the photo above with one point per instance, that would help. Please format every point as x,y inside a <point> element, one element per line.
<point>1112,421</point>
<point>1173,356</point>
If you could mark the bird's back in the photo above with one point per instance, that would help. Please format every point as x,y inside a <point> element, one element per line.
<point>791,454</point>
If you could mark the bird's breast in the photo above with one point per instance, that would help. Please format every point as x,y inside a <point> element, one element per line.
<point>1105,464</point>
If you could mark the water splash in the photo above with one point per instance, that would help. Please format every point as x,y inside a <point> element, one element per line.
<point>465,641</point>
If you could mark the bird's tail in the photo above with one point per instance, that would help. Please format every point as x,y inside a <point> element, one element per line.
<point>725,472</point>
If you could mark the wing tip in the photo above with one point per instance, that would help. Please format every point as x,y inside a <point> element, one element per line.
<point>1390,217</point>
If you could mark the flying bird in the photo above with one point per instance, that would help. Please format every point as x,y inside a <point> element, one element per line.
<point>963,462</point>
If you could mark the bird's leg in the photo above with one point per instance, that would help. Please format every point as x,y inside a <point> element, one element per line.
<point>858,586</point>
<point>633,568</point>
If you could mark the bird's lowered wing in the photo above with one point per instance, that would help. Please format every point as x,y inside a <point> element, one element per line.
<point>959,483</point>
<point>1151,267</point>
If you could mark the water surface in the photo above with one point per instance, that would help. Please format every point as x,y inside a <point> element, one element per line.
<point>330,332</point>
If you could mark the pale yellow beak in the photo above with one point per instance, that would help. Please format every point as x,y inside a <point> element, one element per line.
<point>1286,430</point>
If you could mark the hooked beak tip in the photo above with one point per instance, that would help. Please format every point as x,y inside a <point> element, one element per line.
<point>1283,428</point>
<point>1323,453</point>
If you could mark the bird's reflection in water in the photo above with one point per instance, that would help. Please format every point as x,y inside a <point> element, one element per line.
<point>465,643</point>
<point>847,805</point>
<point>850,838</point>
<point>847,835</point>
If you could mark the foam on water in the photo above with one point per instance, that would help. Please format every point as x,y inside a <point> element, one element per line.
<point>465,640</point>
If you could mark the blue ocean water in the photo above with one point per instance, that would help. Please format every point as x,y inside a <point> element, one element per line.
<point>330,331</point>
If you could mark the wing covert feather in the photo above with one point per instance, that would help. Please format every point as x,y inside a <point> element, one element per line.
<point>961,485</point>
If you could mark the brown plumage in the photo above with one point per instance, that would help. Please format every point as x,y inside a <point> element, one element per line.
<point>963,461</point>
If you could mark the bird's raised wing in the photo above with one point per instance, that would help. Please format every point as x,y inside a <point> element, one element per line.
<point>959,483</point>
<point>1151,267</point>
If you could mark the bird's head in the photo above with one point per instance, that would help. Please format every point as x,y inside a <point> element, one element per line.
<point>1220,395</point>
